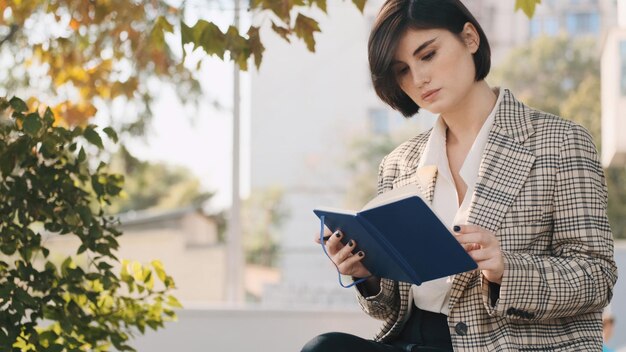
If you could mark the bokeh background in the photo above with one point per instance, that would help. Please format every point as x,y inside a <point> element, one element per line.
<point>311,132</point>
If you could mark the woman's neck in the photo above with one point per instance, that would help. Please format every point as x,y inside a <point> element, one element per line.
<point>465,121</point>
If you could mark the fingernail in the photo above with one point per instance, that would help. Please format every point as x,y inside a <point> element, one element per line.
<point>361,254</point>
<point>337,234</point>
<point>351,243</point>
<point>456,228</point>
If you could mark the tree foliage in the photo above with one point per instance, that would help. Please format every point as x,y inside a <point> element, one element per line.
<point>365,156</point>
<point>561,75</point>
<point>48,187</point>
<point>548,71</point>
<point>77,55</point>
<point>149,185</point>
<point>263,214</point>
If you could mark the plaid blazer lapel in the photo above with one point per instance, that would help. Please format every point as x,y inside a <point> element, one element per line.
<point>426,179</point>
<point>504,168</point>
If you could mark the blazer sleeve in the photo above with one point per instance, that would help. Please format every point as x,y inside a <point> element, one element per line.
<point>382,305</point>
<point>580,274</point>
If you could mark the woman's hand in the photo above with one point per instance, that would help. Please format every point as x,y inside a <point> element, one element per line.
<point>483,246</point>
<point>348,263</point>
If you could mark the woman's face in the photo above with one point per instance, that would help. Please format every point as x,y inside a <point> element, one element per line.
<point>435,68</point>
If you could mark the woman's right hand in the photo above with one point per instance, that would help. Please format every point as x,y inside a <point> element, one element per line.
<point>348,263</point>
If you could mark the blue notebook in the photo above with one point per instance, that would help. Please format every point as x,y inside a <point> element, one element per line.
<point>403,239</point>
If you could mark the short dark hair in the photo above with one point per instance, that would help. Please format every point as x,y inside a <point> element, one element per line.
<point>393,19</point>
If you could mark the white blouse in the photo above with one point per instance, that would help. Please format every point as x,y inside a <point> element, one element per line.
<point>434,295</point>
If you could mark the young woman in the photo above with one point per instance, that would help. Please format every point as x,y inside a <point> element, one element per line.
<point>522,190</point>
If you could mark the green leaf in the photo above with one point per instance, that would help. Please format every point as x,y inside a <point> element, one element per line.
<point>186,36</point>
<point>256,47</point>
<point>164,24</point>
<point>104,266</point>
<point>93,276</point>
<point>238,47</point>
<point>93,137</point>
<point>81,155</point>
<point>321,4</point>
<point>205,35</point>
<point>8,248</point>
<point>305,27</point>
<point>157,37</point>
<point>528,6</point>
<point>18,104</point>
<point>7,163</point>
<point>281,31</point>
<point>32,124</point>
<point>85,214</point>
<point>110,132</point>
<point>48,117</point>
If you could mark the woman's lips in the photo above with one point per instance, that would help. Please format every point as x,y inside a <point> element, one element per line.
<point>430,95</point>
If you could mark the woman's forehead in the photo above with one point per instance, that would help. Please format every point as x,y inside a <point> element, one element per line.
<point>411,40</point>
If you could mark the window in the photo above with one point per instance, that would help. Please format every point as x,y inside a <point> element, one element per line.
<point>535,27</point>
<point>378,121</point>
<point>551,26</point>
<point>583,23</point>
<point>544,25</point>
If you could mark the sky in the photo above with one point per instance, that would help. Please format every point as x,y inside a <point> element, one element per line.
<point>202,143</point>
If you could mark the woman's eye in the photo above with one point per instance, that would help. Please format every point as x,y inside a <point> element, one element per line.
<point>428,56</point>
<point>402,71</point>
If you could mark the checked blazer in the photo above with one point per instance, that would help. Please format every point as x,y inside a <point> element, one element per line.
<point>541,190</point>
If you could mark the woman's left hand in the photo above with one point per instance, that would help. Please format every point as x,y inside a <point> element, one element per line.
<point>483,246</point>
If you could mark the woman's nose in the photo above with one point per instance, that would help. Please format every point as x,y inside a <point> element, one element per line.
<point>420,77</point>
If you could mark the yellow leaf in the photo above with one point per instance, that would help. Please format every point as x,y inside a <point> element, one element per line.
<point>305,27</point>
<point>528,6</point>
<point>173,302</point>
<point>160,271</point>
<point>74,24</point>
<point>137,271</point>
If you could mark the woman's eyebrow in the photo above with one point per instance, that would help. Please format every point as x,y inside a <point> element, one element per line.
<point>419,48</point>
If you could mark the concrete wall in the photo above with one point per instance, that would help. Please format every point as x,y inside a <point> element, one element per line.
<point>250,330</point>
<point>279,330</point>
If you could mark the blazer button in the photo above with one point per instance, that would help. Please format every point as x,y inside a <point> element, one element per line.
<point>461,329</point>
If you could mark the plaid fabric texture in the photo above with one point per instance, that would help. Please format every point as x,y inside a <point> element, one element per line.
<point>541,189</point>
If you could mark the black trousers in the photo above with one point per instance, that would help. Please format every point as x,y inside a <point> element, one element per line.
<point>424,331</point>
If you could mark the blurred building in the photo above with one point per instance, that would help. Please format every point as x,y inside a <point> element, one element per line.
<point>169,236</point>
<point>614,92</point>
<point>307,108</point>
<point>507,28</point>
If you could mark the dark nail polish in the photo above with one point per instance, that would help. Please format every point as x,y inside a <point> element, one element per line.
<point>338,234</point>
<point>351,243</point>
<point>456,228</point>
<point>361,254</point>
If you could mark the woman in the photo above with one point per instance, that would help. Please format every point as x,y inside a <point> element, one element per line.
<point>522,190</point>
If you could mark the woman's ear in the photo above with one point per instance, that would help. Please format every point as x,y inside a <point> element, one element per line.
<point>471,37</point>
